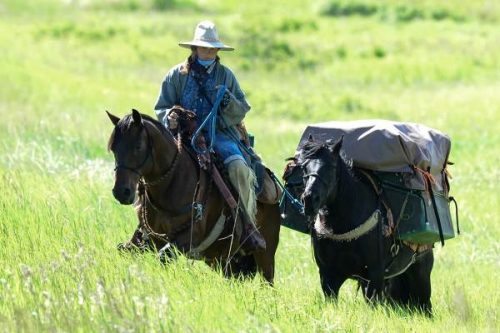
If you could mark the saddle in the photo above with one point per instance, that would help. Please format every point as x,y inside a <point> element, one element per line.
<point>267,191</point>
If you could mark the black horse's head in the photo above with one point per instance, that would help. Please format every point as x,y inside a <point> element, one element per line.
<point>318,162</point>
<point>131,145</point>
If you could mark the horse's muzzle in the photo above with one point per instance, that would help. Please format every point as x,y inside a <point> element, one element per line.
<point>124,194</point>
<point>311,202</point>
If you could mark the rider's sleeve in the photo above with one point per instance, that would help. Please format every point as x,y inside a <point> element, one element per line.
<point>236,109</point>
<point>169,95</point>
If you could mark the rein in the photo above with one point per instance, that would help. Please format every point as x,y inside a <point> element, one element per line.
<point>211,122</point>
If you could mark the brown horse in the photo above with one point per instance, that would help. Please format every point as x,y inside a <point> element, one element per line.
<point>154,166</point>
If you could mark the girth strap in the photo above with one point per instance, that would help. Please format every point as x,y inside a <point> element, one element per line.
<point>211,238</point>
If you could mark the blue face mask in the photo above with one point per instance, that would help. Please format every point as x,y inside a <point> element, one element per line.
<point>205,63</point>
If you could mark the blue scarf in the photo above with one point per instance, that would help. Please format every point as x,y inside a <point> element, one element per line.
<point>205,63</point>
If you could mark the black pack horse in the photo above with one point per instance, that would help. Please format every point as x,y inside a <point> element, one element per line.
<point>349,231</point>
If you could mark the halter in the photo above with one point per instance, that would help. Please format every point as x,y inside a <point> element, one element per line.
<point>136,170</point>
<point>314,174</point>
<point>149,154</point>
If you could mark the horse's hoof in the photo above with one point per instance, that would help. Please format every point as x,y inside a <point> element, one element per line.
<point>167,254</point>
<point>124,247</point>
<point>131,247</point>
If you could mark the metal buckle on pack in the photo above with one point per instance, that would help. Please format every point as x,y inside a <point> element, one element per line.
<point>394,249</point>
<point>198,211</point>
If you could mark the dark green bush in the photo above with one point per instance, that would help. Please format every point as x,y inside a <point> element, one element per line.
<point>338,9</point>
<point>379,52</point>
<point>407,14</point>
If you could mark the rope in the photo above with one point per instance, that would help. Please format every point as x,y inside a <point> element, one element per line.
<point>324,232</point>
<point>295,203</point>
<point>211,122</point>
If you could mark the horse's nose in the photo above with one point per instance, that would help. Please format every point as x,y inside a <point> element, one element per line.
<point>123,194</point>
<point>310,201</point>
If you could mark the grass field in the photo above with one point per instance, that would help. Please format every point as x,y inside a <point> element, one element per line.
<point>64,62</point>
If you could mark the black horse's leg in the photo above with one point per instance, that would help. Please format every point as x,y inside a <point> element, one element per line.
<point>374,287</point>
<point>331,282</point>
<point>374,254</point>
<point>397,289</point>
<point>419,286</point>
<point>413,288</point>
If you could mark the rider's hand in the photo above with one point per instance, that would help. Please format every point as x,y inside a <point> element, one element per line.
<point>225,99</point>
<point>172,120</point>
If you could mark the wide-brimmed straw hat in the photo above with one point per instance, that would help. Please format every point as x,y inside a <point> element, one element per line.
<point>206,35</point>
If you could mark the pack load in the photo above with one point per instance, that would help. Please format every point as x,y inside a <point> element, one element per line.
<point>407,161</point>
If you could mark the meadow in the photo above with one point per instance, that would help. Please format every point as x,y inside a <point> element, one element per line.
<point>63,63</point>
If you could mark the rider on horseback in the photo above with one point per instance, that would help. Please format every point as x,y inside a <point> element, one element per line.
<point>193,85</point>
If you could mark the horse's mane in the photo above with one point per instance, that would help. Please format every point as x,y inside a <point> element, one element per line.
<point>313,148</point>
<point>127,121</point>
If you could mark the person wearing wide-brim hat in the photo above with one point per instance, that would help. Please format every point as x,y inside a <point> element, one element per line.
<point>193,85</point>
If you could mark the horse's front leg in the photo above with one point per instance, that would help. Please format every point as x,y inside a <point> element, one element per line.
<point>419,284</point>
<point>331,282</point>
<point>167,253</point>
<point>373,289</point>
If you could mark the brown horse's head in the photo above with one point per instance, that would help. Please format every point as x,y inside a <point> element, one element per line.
<point>131,145</point>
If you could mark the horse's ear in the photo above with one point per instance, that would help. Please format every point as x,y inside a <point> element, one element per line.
<point>114,119</point>
<point>335,146</point>
<point>310,138</point>
<point>136,116</point>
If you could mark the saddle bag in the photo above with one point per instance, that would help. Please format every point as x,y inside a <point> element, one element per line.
<point>418,212</point>
<point>409,161</point>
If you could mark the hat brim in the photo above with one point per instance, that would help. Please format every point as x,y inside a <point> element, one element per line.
<point>217,45</point>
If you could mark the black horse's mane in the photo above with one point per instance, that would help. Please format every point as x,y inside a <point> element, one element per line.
<point>312,149</point>
<point>127,121</point>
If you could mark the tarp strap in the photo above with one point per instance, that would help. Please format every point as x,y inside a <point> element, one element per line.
<point>434,205</point>
<point>456,213</point>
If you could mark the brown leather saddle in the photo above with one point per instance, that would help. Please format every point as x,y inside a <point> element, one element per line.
<point>267,191</point>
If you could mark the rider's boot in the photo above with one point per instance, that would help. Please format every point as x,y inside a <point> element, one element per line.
<point>243,180</point>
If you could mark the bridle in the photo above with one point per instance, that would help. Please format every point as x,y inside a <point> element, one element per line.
<point>149,154</point>
<point>313,174</point>
<point>137,169</point>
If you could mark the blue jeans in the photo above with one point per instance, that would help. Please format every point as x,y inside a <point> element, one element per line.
<point>226,148</point>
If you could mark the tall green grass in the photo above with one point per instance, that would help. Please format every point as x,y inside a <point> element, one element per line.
<point>65,62</point>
